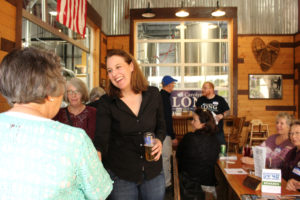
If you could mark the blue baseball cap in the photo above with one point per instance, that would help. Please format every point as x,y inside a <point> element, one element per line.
<point>167,80</point>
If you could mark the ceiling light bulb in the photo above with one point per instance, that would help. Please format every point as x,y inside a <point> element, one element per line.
<point>218,12</point>
<point>148,13</point>
<point>182,13</point>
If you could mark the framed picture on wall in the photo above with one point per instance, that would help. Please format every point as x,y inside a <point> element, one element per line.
<point>265,86</point>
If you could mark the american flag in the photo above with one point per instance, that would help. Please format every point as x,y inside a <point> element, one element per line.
<point>72,14</point>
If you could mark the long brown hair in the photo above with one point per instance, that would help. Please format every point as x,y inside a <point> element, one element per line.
<point>138,81</point>
<point>205,116</point>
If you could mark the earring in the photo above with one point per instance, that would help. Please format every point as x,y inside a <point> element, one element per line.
<point>51,99</point>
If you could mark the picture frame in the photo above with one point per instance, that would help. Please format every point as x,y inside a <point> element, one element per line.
<point>265,86</point>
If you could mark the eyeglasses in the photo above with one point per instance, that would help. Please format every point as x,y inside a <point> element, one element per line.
<point>73,92</point>
<point>295,133</point>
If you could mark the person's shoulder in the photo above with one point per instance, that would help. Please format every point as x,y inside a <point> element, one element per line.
<point>219,97</point>
<point>152,89</point>
<point>90,108</point>
<point>66,132</point>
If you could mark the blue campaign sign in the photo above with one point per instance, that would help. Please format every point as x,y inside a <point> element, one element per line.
<point>185,99</point>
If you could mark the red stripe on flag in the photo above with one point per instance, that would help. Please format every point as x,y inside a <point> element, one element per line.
<point>72,14</point>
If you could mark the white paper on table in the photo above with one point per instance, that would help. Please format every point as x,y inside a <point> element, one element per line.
<point>237,171</point>
<point>228,157</point>
<point>259,156</point>
<point>271,181</point>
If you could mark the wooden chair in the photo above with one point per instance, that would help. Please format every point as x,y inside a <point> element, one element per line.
<point>180,126</point>
<point>259,131</point>
<point>235,135</point>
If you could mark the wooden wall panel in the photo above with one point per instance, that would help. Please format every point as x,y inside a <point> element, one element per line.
<point>118,42</point>
<point>297,78</point>
<point>7,36</point>
<point>284,64</point>
<point>103,76</point>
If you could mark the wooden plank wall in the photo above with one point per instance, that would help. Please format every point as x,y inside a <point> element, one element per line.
<point>266,110</point>
<point>110,42</point>
<point>297,68</point>
<point>118,42</point>
<point>8,16</point>
<point>103,77</point>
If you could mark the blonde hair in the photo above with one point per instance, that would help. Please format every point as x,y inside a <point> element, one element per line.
<point>284,115</point>
<point>210,84</point>
<point>80,87</point>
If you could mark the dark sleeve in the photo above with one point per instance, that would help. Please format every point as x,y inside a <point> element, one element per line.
<point>180,148</point>
<point>58,116</point>
<point>168,115</point>
<point>198,102</point>
<point>224,105</point>
<point>160,130</point>
<point>91,122</point>
<point>103,126</point>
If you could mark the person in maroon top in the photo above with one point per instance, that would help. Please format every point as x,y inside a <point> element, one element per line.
<point>291,165</point>
<point>77,114</point>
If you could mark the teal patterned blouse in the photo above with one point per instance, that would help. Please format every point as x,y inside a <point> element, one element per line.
<point>45,159</point>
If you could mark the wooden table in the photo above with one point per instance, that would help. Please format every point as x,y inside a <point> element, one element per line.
<point>230,187</point>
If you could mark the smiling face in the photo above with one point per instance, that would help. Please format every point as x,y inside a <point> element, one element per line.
<point>282,127</point>
<point>207,90</point>
<point>196,122</point>
<point>74,96</point>
<point>119,72</point>
<point>295,135</point>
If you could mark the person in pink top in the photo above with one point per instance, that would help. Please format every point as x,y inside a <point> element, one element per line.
<point>278,145</point>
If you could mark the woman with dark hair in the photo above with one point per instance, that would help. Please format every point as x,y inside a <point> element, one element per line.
<point>197,155</point>
<point>40,158</point>
<point>130,109</point>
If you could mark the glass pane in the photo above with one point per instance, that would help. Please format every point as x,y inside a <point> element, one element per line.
<point>206,30</point>
<point>206,52</point>
<point>195,76</point>
<point>73,59</point>
<point>155,74</point>
<point>35,8</point>
<point>159,30</point>
<point>158,53</point>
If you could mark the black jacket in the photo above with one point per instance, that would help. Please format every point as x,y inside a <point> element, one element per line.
<point>119,135</point>
<point>168,112</point>
<point>197,155</point>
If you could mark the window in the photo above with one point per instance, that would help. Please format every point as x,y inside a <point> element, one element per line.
<point>192,52</point>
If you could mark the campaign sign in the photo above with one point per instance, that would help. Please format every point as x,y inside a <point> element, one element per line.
<point>184,99</point>
<point>271,181</point>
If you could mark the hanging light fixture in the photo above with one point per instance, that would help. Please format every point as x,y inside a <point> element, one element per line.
<point>182,12</point>
<point>218,12</point>
<point>148,13</point>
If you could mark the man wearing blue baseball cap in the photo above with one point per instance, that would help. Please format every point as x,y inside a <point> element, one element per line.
<point>168,84</point>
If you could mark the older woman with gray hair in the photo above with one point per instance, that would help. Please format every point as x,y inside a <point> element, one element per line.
<point>77,113</point>
<point>41,158</point>
<point>278,145</point>
<point>95,95</point>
